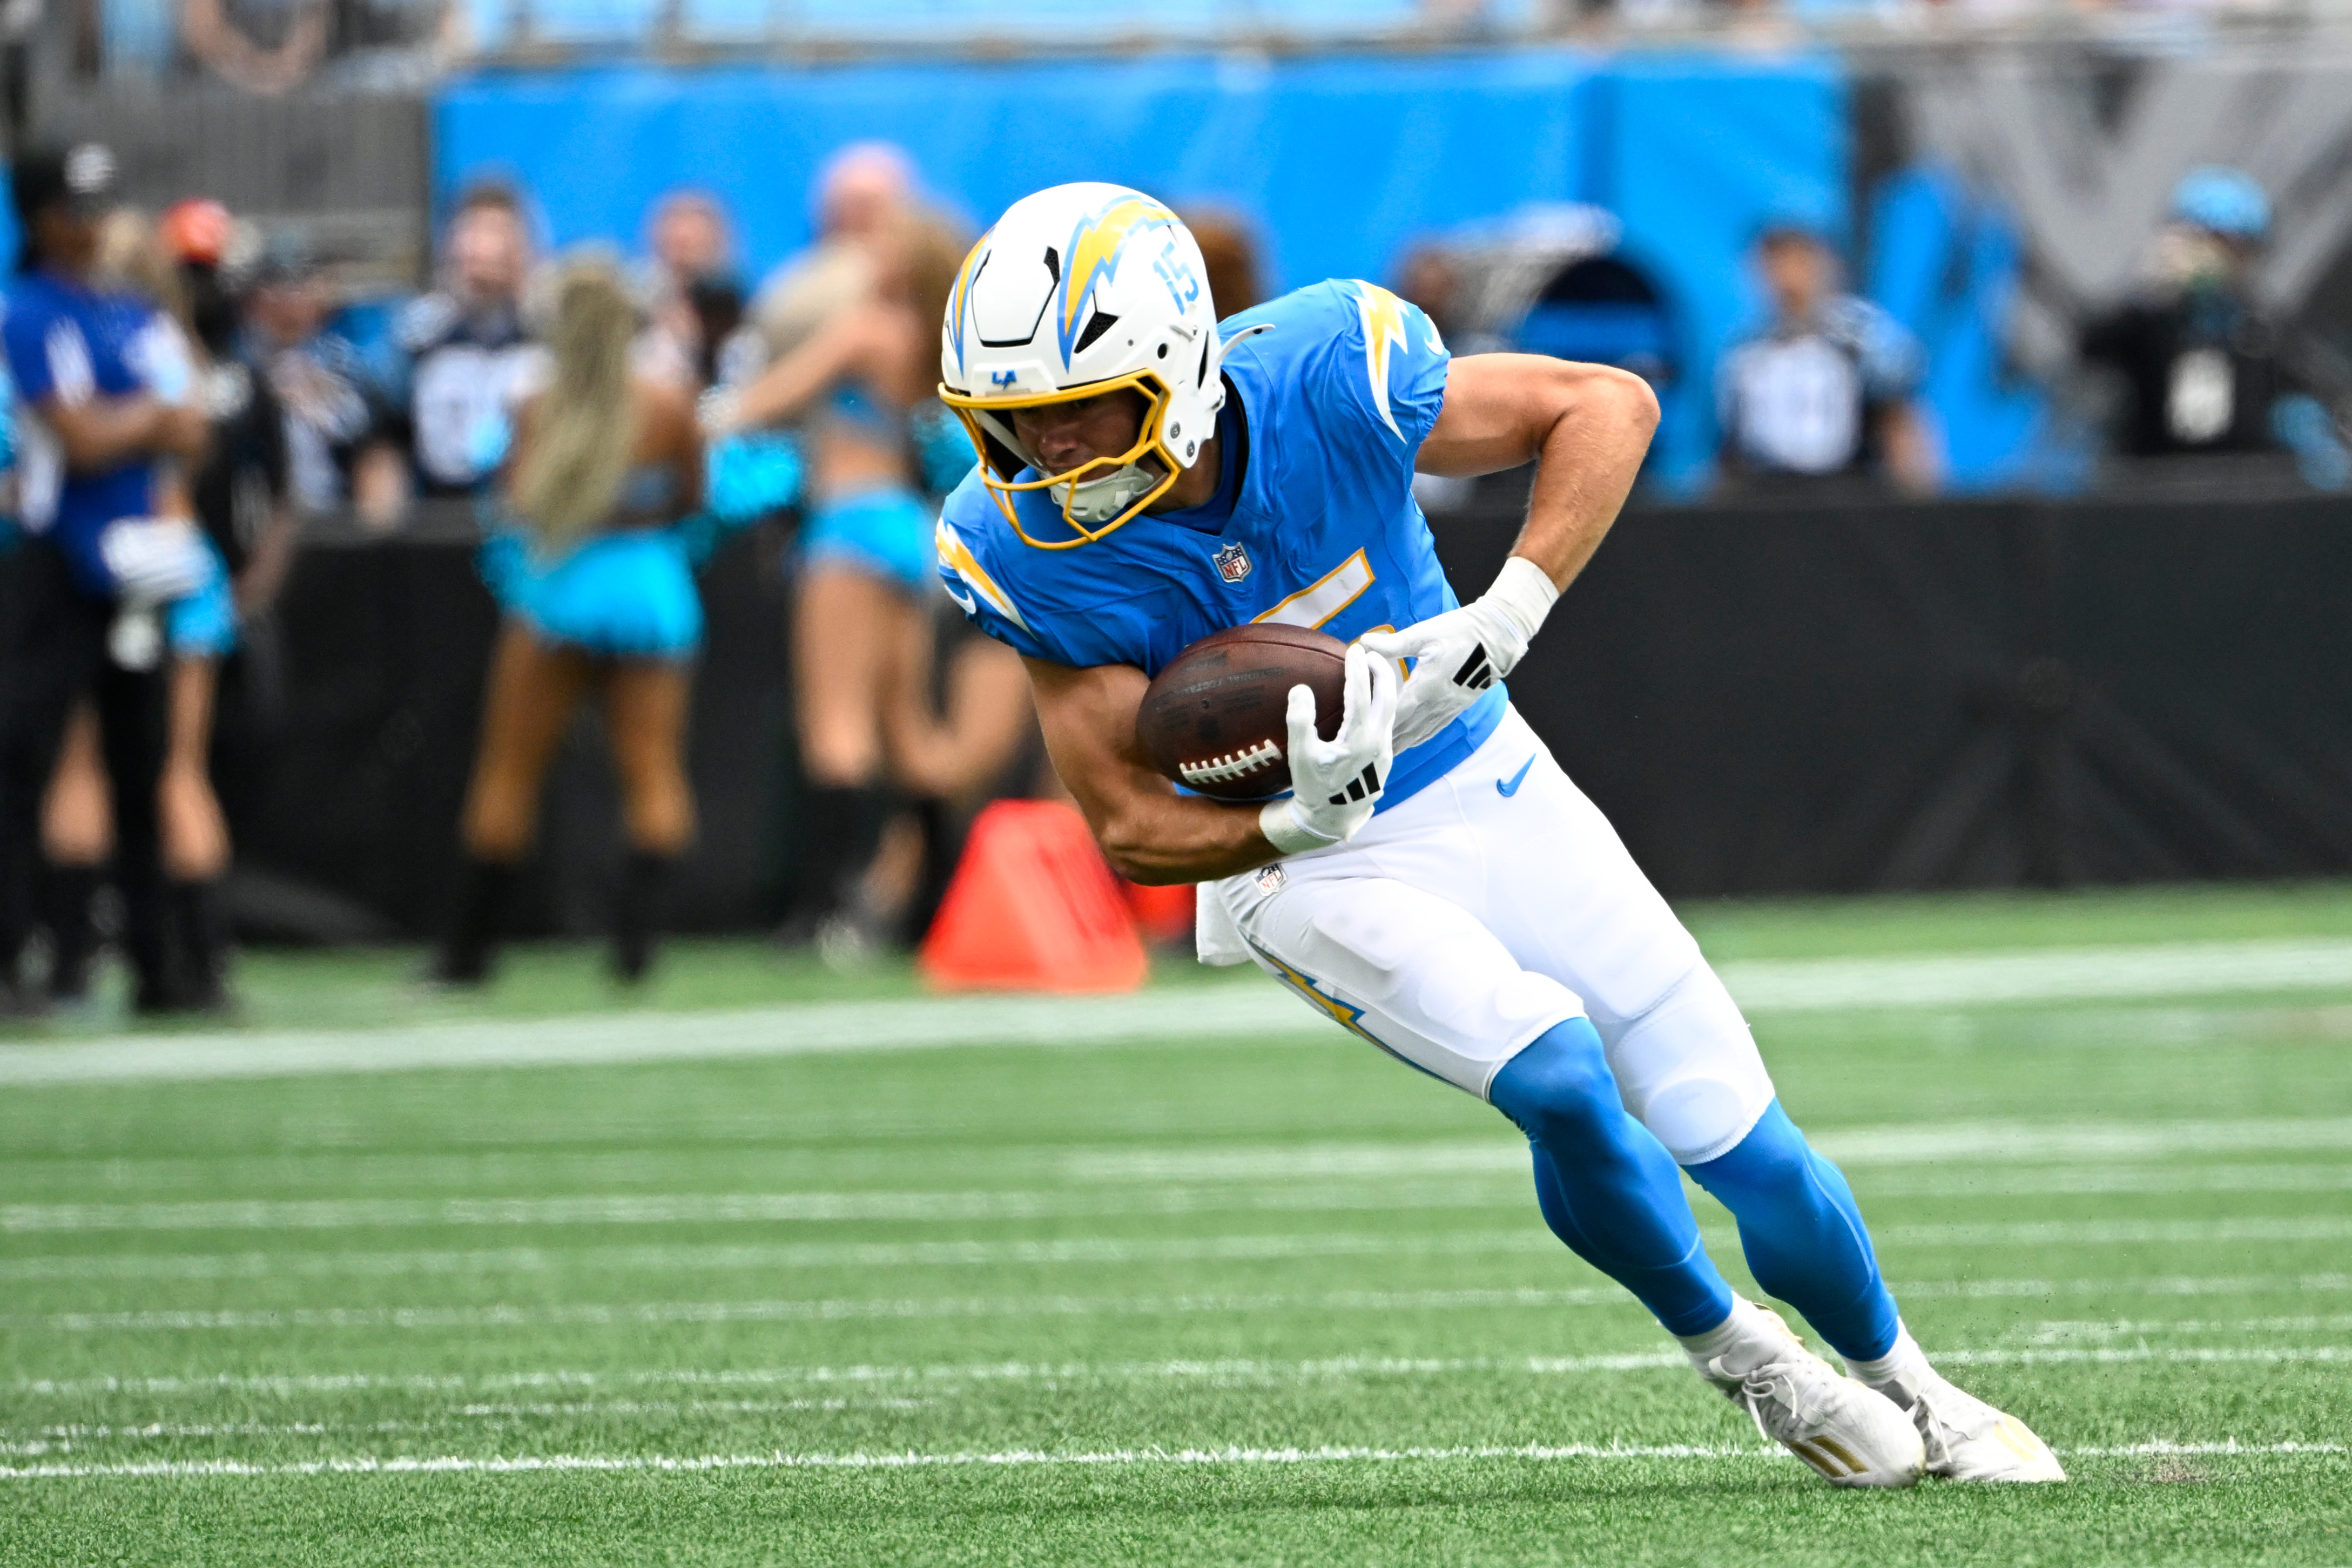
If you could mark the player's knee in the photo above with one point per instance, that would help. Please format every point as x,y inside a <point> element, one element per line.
<point>1697,1080</point>
<point>1773,1158</point>
<point>1703,1117</point>
<point>1559,1089</point>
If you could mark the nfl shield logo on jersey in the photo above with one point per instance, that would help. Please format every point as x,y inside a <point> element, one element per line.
<point>1233,563</point>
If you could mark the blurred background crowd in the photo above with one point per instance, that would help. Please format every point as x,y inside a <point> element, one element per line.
<point>1871,255</point>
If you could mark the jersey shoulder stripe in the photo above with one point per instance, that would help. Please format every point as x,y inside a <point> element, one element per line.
<point>956,556</point>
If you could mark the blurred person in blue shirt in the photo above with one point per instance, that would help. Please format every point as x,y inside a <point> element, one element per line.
<point>1827,387</point>
<point>166,264</point>
<point>106,399</point>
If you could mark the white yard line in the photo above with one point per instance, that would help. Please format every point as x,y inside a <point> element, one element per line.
<point>840,1310</point>
<point>1238,1369</point>
<point>1904,1144</point>
<point>461,1464</point>
<point>2079,1148</point>
<point>1084,1249</point>
<point>2259,1228</point>
<point>597,1313</point>
<point>2053,974</point>
<point>734,1208</point>
<point>772,1207</point>
<point>1235,1011</point>
<point>67,1436</point>
<point>1526,1238</point>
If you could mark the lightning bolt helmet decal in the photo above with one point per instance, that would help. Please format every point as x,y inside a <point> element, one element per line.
<point>1092,256</point>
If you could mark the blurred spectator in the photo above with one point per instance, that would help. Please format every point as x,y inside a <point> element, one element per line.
<point>111,403</point>
<point>319,380</point>
<point>238,496</point>
<point>244,501</point>
<point>862,190</point>
<point>261,45</point>
<point>469,356</point>
<point>1825,388</point>
<point>243,494</point>
<point>1228,254</point>
<point>2204,370</point>
<point>694,296</point>
<point>267,46</point>
<point>862,385</point>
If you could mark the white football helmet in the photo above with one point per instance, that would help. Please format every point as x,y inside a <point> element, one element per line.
<point>1079,290</point>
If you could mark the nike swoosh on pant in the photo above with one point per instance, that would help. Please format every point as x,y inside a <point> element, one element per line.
<point>1511,788</point>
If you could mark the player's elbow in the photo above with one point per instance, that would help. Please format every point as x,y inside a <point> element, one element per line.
<point>1136,845</point>
<point>1131,855</point>
<point>1598,414</point>
<point>1621,399</point>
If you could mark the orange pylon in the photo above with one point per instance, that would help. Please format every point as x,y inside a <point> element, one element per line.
<point>1032,907</point>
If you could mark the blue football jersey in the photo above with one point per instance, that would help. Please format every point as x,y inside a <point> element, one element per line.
<point>1338,392</point>
<point>67,341</point>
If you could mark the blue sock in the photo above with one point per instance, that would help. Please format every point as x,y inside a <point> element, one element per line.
<point>1606,1186</point>
<point>1803,1235</point>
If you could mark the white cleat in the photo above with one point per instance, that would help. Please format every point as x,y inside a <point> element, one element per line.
<point>1849,1434</point>
<point>1966,1438</point>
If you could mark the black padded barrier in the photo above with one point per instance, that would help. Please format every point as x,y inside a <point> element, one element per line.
<point>1878,696</point>
<point>1765,699</point>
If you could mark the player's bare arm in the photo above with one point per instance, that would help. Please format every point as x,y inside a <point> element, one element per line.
<point>1150,833</point>
<point>102,433</point>
<point>1154,835</point>
<point>1585,427</point>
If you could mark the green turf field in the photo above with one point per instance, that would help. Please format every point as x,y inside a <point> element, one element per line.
<point>771,1266</point>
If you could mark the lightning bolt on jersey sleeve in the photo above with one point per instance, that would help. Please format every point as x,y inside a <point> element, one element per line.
<point>1384,375</point>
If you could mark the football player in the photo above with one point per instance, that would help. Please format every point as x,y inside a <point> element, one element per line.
<point>1434,883</point>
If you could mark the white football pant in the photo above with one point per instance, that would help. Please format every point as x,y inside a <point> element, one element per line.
<point>1460,926</point>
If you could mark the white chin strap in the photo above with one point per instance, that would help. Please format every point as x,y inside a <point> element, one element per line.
<point>1101,500</point>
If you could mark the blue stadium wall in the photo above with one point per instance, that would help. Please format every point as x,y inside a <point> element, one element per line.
<point>1344,163</point>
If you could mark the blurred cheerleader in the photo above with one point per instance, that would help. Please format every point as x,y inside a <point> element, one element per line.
<point>599,595</point>
<point>861,384</point>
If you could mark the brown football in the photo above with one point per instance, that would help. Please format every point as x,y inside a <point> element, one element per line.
<point>1214,719</point>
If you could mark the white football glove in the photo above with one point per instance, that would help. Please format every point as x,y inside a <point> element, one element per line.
<point>1336,783</point>
<point>1459,654</point>
<point>154,560</point>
